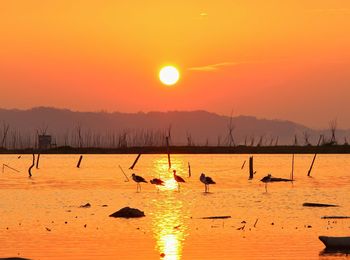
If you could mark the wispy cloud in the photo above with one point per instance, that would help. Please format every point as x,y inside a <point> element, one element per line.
<point>330,10</point>
<point>214,67</point>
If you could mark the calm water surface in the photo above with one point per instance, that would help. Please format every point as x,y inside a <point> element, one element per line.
<point>41,217</point>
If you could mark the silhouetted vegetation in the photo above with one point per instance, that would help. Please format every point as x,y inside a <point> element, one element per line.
<point>84,140</point>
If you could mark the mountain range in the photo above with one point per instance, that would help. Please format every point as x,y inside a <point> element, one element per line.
<point>185,128</point>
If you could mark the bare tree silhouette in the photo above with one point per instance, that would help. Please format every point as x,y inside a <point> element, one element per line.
<point>295,140</point>
<point>5,130</point>
<point>333,128</point>
<point>230,128</point>
<point>306,137</point>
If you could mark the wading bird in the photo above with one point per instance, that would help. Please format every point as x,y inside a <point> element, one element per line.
<point>206,180</point>
<point>266,179</point>
<point>178,179</point>
<point>138,179</point>
<point>269,178</point>
<point>157,182</point>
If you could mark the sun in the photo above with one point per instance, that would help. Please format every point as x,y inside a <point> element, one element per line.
<point>169,75</point>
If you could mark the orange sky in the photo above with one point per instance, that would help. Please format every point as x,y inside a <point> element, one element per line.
<point>273,59</point>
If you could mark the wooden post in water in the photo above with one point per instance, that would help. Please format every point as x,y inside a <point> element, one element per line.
<point>167,148</point>
<point>79,162</point>
<point>251,171</point>
<point>133,165</point>
<point>313,160</point>
<point>30,168</point>
<point>37,161</point>
<point>189,170</point>
<point>292,174</point>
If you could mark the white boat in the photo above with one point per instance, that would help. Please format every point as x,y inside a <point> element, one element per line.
<point>335,242</point>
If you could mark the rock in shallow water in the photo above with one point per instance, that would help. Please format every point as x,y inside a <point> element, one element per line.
<point>128,212</point>
<point>87,205</point>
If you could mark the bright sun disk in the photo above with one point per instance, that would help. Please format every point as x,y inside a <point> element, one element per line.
<point>169,75</point>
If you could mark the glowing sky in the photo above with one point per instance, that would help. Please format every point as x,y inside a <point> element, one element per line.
<point>273,59</point>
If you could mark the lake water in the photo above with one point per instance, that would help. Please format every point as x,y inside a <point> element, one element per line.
<point>41,217</point>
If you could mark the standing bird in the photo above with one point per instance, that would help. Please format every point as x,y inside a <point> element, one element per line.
<point>138,179</point>
<point>157,182</point>
<point>266,179</point>
<point>206,180</point>
<point>178,179</point>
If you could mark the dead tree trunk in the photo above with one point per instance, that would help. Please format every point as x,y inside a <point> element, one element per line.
<point>133,165</point>
<point>30,167</point>
<point>37,161</point>
<point>79,162</point>
<point>313,160</point>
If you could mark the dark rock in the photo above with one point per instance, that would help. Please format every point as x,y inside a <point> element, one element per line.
<point>128,213</point>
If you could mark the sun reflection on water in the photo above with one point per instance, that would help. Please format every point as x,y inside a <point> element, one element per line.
<point>168,219</point>
<point>169,227</point>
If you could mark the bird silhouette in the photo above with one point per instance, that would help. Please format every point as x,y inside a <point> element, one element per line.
<point>206,180</point>
<point>178,179</point>
<point>157,182</point>
<point>138,180</point>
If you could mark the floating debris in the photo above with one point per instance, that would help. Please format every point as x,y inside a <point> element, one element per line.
<point>256,221</point>
<point>48,229</point>
<point>216,217</point>
<point>334,217</point>
<point>128,212</point>
<point>241,228</point>
<point>311,204</point>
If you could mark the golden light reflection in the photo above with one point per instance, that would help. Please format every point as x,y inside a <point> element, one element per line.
<point>169,227</point>
<point>168,219</point>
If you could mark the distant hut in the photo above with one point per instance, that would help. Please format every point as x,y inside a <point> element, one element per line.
<point>44,142</point>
